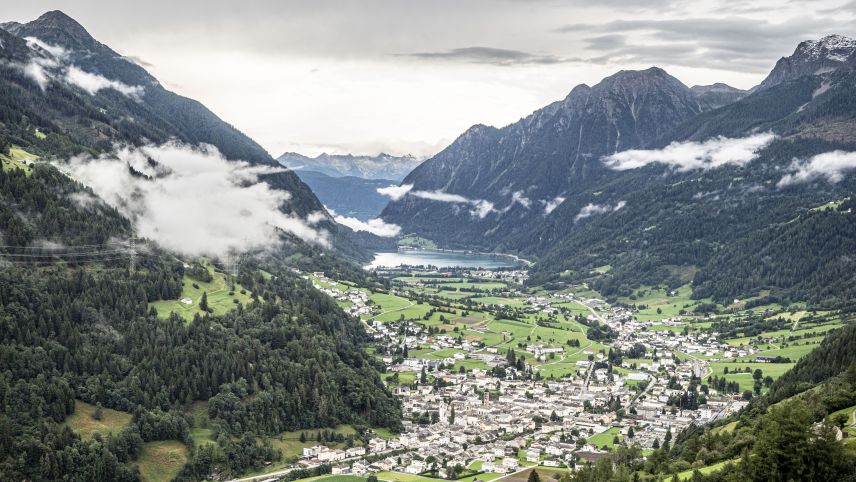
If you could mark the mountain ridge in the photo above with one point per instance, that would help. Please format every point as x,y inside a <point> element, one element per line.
<point>380,167</point>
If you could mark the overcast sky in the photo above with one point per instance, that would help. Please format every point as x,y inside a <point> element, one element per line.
<point>410,76</point>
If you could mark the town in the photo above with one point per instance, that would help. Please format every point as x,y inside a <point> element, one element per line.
<point>485,401</point>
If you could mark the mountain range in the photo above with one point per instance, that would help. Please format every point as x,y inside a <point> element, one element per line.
<point>382,166</point>
<point>640,179</point>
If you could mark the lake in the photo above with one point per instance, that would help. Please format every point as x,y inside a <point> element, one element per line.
<point>442,259</point>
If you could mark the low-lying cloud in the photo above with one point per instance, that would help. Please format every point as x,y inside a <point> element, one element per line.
<point>192,200</point>
<point>687,156</point>
<point>52,62</point>
<point>480,207</point>
<point>376,226</point>
<point>552,204</point>
<point>829,166</point>
<point>395,192</point>
<point>93,83</point>
<point>592,209</point>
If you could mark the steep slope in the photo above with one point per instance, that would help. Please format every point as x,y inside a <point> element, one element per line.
<point>159,113</point>
<point>348,195</point>
<point>78,323</point>
<point>62,93</point>
<point>717,95</point>
<point>735,227</point>
<point>540,159</point>
<point>812,57</point>
<point>738,230</point>
<point>380,167</point>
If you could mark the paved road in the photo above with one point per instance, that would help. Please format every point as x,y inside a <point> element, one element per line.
<point>280,473</point>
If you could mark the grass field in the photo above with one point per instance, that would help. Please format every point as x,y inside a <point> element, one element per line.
<point>200,430</point>
<point>81,421</point>
<point>729,427</point>
<point>162,461</point>
<point>217,290</point>
<point>606,438</point>
<point>17,159</point>
<point>745,380</point>
<point>655,298</point>
<point>545,474</point>
<point>688,474</point>
<point>402,477</point>
<point>291,445</point>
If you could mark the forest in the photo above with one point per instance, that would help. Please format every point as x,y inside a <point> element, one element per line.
<point>80,328</point>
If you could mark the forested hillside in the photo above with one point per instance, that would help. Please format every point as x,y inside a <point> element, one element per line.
<point>79,327</point>
<point>77,317</point>
<point>547,188</point>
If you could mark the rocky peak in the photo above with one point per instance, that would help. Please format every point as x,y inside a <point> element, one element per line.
<point>58,20</point>
<point>717,95</point>
<point>812,57</point>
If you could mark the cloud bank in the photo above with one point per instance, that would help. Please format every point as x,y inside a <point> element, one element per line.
<point>687,156</point>
<point>480,207</point>
<point>93,83</point>
<point>375,226</point>
<point>488,55</point>
<point>829,166</point>
<point>192,200</point>
<point>592,209</point>
<point>52,62</point>
<point>552,204</point>
<point>395,192</point>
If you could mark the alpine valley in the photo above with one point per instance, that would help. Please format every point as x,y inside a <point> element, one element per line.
<point>670,289</point>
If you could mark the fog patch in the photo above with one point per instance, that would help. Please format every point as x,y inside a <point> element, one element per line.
<point>479,207</point>
<point>94,83</point>
<point>192,200</point>
<point>519,198</point>
<point>688,155</point>
<point>376,226</point>
<point>829,166</point>
<point>550,205</point>
<point>52,62</point>
<point>592,209</point>
<point>395,192</point>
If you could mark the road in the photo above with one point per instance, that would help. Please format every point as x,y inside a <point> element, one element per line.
<point>644,392</point>
<point>280,473</point>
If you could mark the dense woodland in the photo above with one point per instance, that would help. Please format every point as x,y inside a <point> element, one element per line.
<point>289,360</point>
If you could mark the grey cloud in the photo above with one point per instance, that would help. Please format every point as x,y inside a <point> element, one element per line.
<point>488,55</point>
<point>732,42</point>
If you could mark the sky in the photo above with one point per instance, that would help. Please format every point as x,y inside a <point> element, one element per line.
<point>408,77</point>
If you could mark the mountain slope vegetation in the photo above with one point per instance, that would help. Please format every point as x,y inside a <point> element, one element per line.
<point>75,319</point>
<point>554,198</point>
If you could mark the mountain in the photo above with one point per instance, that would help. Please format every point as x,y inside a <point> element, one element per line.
<point>754,228</point>
<point>541,159</point>
<point>87,308</point>
<point>63,93</point>
<point>812,57</point>
<point>380,167</point>
<point>717,95</point>
<point>348,195</point>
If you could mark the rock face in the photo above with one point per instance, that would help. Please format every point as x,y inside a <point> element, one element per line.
<point>382,166</point>
<point>813,57</point>
<point>717,95</point>
<point>542,157</point>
